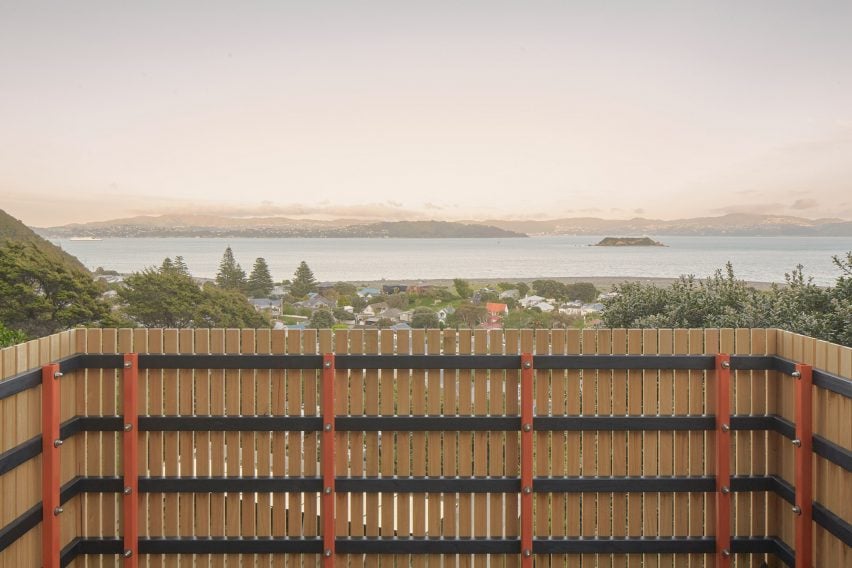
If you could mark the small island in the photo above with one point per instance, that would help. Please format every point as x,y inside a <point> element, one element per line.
<point>628,242</point>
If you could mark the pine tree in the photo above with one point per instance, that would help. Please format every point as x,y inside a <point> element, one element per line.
<point>230,276</point>
<point>167,265</point>
<point>259,281</point>
<point>303,281</point>
<point>180,265</point>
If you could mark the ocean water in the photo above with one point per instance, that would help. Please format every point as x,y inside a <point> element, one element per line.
<point>759,259</point>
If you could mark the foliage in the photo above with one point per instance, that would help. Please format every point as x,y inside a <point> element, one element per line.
<point>342,315</point>
<point>398,301</point>
<point>170,298</point>
<point>724,301</point>
<point>345,289</point>
<point>467,315</point>
<point>40,296</point>
<point>583,291</point>
<point>231,276</point>
<point>303,281</point>
<point>463,288</point>
<point>9,337</point>
<point>321,319</point>
<point>425,318</point>
<point>260,282</point>
<point>523,288</point>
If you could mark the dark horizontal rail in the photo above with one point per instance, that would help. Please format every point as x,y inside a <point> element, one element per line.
<point>12,458</point>
<point>427,545</point>
<point>30,518</point>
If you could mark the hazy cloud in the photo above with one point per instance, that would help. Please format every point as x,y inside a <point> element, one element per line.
<point>804,204</point>
<point>749,208</point>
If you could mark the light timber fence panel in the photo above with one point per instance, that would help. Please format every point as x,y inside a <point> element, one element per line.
<point>171,455</point>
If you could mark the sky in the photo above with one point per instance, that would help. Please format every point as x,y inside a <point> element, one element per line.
<point>444,110</point>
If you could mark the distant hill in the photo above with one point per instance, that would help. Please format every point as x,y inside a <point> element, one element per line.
<point>738,224</point>
<point>628,242</point>
<point>219,226</point>
<point>13,230</point>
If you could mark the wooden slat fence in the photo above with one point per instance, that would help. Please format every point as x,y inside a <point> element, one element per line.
<point>235,453</point>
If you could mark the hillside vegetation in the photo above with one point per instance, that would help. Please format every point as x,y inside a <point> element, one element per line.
<point>13,230</point>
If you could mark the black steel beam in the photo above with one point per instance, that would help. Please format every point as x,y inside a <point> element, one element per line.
<point>832,523</point>
<point>230,361</point>
<point>433,423</point>
<point>19,383</point>
<point>428,545</point>
<point>447,362</point>
<point>10,459</point>
<point>427,484</point>
<point>588,423</point>
<point>20,526</point>
<point>623,484</point>
<point>674,545</point>
<point>226,484</point>
<point>230,423</point>
<point>832,452</point>
<point>629,362</point>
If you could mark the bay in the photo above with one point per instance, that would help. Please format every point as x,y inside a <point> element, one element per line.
<point>758,259</point>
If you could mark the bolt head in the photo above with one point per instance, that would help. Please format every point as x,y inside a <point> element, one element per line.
<point>328,490</point>
<point>726,364</point>
<point>127,364</point>
<point>797,442</point>
<point>128,490</point>
<point>128,427</point>
<point>726,428</point>
<point>797,510</point>
<point>726,553</point>
<point>725,490</point>
<point>797,375</point>
<point>527,490</point>
<point>527,365</point>
<point>57,374</point>
<point>527,427</point>
<point>327,553</point>
<point>57,443</point>
<point>327,427</point>
<point>57,511</point>
<point>128,553</point>
<point>527,552</point>
<point>327,365</point>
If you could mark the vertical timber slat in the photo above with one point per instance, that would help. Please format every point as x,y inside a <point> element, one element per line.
<point>130,447</point>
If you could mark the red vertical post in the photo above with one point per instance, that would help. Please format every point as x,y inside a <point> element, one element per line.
<point>328,460</point>
<point>804,467</point>
<point>130,449</point>
<point>50,443</point>
<point>723,460</point>
<point>527,371</point>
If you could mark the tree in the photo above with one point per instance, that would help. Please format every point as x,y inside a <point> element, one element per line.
<point>468,315</point>
<point>9,337</point>
<point>523,288</point>
<point>260,281</point>
<point>425,318</point>
<point>231,276</point>
<point>303,281</point>
<point>399,301</point>
<point>170,298</point>
<point>180,265</point>
<point>321,319</point>
<point>40,295</point>
<point>582,291</point>
<point>463,288</point>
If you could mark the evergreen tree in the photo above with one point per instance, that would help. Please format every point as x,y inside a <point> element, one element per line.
<point>167,265</point>
<point>180,265</point>
<point>259,281</point>
<point>321,319</point>
<point>231,276</point>
<point>303,281</point>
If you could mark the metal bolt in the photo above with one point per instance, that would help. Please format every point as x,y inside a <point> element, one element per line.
<point>128,427</point>
<point>797,375</point>
<point>797,510</point>
<point>328,365</point>
<point>127,364</point>
<point>128,490</point>
<point>327,427</point>
<point>527,552</point>
<point>797,442</point>
<point>726,553</point>
<point>128,553</point>
<point>57,374</point>
<point>327,552</point>
<point>57,443</point>
<point>527,365</point>
<point>726,364</point>
<point>527,490</point>
<point>527,427</point>
<point>726,428</point>
<point>57,511</point>
<point>726,490</point>
<point>328,490</point>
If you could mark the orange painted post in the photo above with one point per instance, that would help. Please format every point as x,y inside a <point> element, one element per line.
<point>327,446</point>
<point>527,460</point>
<point>130,447</point>
<point>50,443</point>
<point>804,466</point>
<point>723,461</point>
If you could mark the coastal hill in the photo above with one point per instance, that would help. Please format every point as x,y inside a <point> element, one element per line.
<point>628,242</point>
<point>207,226</point>
<point>12,230</point>
<point>738,224</point>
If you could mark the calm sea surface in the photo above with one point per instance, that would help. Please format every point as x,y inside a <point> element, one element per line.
<point>762,259</point>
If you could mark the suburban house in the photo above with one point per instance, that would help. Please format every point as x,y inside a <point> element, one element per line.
<point>367,292</point>
<point>530,301</point>
<point>513,294</point>
<point>266,305</point>
<point>495,309</point>
<point>316,301</point>
<point>545,307</point>
<point>394,289</point>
